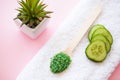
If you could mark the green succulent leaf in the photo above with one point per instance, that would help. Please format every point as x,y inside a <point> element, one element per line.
<point>21,17</point>
<point>25,20</point>
<point>31,22</point>
<point>49,12</point>
<point>21,11</point>
<point>42,14</point>
<point>35,3</point>
<point>24,6</point>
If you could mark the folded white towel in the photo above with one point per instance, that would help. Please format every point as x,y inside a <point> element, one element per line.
<point>81,68</point>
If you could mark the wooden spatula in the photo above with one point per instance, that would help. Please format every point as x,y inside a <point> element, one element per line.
<point>62,60</point>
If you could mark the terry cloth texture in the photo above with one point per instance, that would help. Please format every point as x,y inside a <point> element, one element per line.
<point>81,67</point>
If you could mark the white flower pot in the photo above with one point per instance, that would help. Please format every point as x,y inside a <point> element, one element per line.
<point>32,32</point>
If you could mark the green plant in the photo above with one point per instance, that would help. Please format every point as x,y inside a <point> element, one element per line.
<point>32,12</point>
<point>59,62</point>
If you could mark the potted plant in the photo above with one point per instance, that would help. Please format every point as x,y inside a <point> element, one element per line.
<point>32,17</point>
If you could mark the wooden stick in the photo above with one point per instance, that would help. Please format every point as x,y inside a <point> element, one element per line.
<point>86,25</point>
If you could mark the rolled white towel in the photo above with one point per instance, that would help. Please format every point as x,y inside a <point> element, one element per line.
<point>81,68</point>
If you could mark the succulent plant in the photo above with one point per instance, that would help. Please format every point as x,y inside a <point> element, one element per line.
<point>60,62</point>
<point>32,12</point>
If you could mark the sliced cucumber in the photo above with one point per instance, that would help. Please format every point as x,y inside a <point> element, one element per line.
<point>104,39</point>
<point>97,26</point>
<point>104,32</point>
<point>100,43</point>
<point>96,51</point>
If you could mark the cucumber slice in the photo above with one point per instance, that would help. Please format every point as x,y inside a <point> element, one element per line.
<point>96,51</point>
<point>104,39</point>
<point>97,26</point>
<point>104,32</point>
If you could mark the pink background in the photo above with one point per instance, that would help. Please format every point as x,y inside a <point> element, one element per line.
<point>16,50</point>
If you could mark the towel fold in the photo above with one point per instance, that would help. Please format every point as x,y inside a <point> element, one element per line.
<point>81,67</point>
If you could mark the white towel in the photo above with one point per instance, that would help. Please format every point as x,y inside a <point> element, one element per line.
<point>81,67</point>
